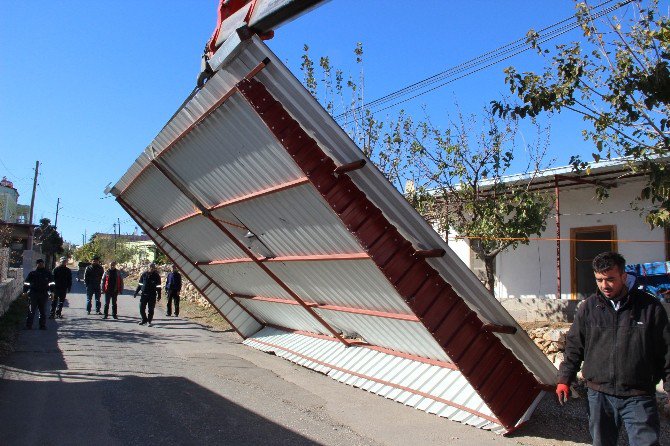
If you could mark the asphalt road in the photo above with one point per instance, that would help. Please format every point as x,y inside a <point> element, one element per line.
<point>91,381</point>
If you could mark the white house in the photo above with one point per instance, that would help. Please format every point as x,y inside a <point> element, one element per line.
<point>587,227</point>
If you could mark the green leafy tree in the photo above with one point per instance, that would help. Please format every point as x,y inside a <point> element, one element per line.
<point>464,188</point>
<point>107,249</point>
<point>618,79</point>
<point>49,239</point>
<point>453,177</point>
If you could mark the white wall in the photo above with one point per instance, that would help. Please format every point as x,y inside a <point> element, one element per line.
<point>530,270</point>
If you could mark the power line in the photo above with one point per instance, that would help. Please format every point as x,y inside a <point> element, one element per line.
<point>474,65</point>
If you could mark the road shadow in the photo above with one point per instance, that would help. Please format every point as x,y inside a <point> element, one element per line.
<point>569,423</point>
<point>132,410</point>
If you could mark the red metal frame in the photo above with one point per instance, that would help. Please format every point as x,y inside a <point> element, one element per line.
<point>362,311</point>
<point>457,329</point>
<point>311,258</point>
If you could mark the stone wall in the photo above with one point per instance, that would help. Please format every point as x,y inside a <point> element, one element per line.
<point>4,263</point>
<point>188,290</point>
<point>10,288</point>
<point>530,309</point>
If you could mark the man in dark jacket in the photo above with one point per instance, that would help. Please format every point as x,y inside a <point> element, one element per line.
<point>623,337</point>
<point>92,279</point>
<point>172,288</point>
<point>112,286</point>
<point>63,284</point>
<point>150,287</point>
<point>37,285</point>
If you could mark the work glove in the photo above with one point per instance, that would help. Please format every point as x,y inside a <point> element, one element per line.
<point>562,392</point>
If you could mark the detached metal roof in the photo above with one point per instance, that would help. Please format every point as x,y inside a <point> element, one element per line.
<point>308,251</point>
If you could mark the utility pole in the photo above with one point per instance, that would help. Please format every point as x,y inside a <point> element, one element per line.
<point>83,239</point>
<point>114,236</point>
<point>57,209</point>
<point>32,207</point>
<point>118,220</point>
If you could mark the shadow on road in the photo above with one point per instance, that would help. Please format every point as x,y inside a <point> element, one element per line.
<point>132,410</point>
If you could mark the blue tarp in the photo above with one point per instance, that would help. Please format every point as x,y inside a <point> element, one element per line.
<point>652,277</point>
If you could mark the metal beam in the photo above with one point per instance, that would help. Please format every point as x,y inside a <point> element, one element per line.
<point>312,258</point>
<point>341,309</point>
<point>132,211</point>
<point>181,186</point>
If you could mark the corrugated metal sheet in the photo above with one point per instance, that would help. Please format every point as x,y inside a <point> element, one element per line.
<point>201,240</point>
<point>423,386</point>
<point>283,315</point>
<point>296,222</point>
<point>233,150</point>
<point>159,198</point>
<point>349,283</point>
<point>265,137</point>
<point>247,279</point>
<point>402,336</point>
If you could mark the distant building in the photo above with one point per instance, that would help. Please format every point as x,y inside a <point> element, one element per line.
<point>551,268</point>
<point>10,210</point>
<point>15,217</point>
<point>144,247</point>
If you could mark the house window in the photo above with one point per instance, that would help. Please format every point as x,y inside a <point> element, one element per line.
<point>586,243</point>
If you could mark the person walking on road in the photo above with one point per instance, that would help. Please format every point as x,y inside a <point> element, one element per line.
<point>150,288</point>
<point>172,289</point>
<point>623,337</point>
<point>112,286</point>
<point>37,285</point>
<point>62,285</point>
<point>92,279</point>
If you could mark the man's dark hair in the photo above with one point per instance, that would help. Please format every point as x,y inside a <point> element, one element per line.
<point>605,261</point>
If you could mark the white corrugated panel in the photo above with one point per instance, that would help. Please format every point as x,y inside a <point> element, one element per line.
<point>426,387</point>
<point>200,239</point>
<point>293,316</point>
<point>348,283</point>
<point>296,222</point>
<point>158,199</point>
<point>246,279</point>
<point>403,336</point>
<point>231,154</point>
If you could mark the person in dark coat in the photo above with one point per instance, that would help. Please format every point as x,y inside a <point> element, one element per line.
<point>623,337</point>
<point>63,284</point>
<point>149,286</point>
<point>172,289</point>
<point>92,279</point>
<point>37,285</point>
<point>112,286</point>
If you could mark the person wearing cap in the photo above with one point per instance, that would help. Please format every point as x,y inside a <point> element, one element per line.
<point>92,279</point>
<point>37,286</point>
<point>112,286</point>
<point>149,286</point>
<point>62,285</point>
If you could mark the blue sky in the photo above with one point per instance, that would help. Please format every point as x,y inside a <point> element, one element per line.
<point>85,85</point>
